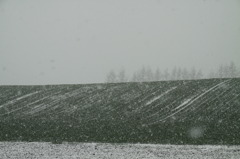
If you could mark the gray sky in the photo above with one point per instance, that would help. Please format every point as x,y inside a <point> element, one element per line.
<point>79,41</point>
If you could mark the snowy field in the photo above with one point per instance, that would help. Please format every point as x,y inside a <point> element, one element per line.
<point>23,150</point>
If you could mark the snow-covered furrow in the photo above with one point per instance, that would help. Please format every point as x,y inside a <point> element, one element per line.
<point>160,96</point>
<point>88,99</point>
<point>35,106</point>
<point>25,106</point>
<point>66,108</point>
<point>134,112</point>
<point>143,107</point>
<point>149,93</point>
<point>155,103</point>
<point>113,102</point>
<point>161,107</point>
<point>203,103</point>
<point>223,106</point>
<point>19,98</point>
<point>38,108</point>
<point>155,115</point>
<point>130,95</point>
<point>63,106</point>
<point>188,102</point>
<point>164,106</point>
<point>193,99</point>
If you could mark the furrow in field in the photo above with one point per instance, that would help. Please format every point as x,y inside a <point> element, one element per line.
<point>160,96</point>
<point>189,102</point>
<point>18,99</point>
<point>203,105</point>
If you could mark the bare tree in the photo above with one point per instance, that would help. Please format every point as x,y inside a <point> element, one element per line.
<point>212,74</point>
<point>220,73</point>
<point>166,75</point>
<point>179,74</point>
<point>111,77</point>
<point>226,71</point>
<point>174,73</point>
<point>149,74</point>
<point>134,77</point>
<point>185,74</point>
<point>122,76</point>
<point>137,77</point>
<point>146,74</point>
<point>199,74</point>
<point>157,75</point>
<point>232,70</point>
<point>193,73</point>
<point>142,74</point>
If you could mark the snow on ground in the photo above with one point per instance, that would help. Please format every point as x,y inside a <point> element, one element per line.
<point>193,99</point>
<point>189,101</point>
<point>161,95</point>
<point>19,150</point>
<point>184,103</point>
<point>19,98</point>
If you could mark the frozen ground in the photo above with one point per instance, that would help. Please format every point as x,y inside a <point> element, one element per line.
<point>19,150</point>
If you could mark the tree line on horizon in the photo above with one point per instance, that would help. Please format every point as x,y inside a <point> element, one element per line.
<point>146,74</point>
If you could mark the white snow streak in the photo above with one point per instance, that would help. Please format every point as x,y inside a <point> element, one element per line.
<point>27,95</point>
<point>189,102</point>
<point>19,98</point>
<point>36,107</point>
<point>158,97</point>
<point>184,103</point>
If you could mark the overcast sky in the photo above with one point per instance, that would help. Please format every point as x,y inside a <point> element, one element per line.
<point>80,41</point>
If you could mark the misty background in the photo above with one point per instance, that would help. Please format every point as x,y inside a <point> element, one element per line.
<point>80,41</point>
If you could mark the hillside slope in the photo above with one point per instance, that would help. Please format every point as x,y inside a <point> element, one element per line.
<point>176,112</point>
